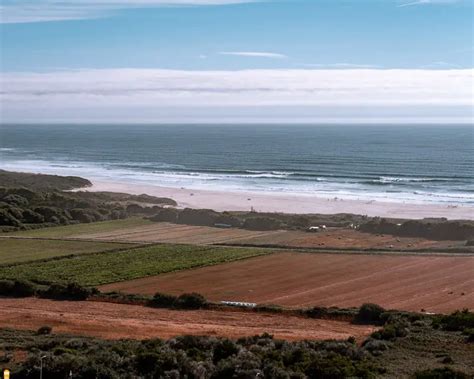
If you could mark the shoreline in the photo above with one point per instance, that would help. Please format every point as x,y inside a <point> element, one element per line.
<point>285,203</point>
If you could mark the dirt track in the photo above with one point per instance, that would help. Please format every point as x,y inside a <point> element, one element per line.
<point>436,284</point>
<point>114,321</point>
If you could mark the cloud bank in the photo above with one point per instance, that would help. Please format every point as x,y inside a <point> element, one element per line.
<point>161,95</point>
<point>254,54</point>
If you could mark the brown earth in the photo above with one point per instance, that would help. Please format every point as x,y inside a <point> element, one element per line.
<point>434,283</point>
<point>174,233</point>
<point>115,321</point>
<point>331,238</point>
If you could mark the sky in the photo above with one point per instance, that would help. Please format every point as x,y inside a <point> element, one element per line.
<point>236,61</point>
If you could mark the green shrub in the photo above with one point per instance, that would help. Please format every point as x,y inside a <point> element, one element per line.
<point>6,287</point>
<point>317,312</point>
<point>23,288</point>
<point>161,300</point>
<point>224,349</point>
<point>166,215</point>
<point>262,223</point>
<point>469,332</point>
<point>369,314</point>
<point>390,332</point>
<point>71,291</point>
<point>44,330</point>
<point>32,217</point>
<point>7,219</point>
<point>441,373</point>
<point>201,217</point>
<point>85,215</point>
<point>15,200</point>
<point>457,321</point>
<point>190,301</point>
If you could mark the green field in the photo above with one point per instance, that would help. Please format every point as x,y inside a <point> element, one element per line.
<point>97,269</point>
<point>23,250</point>
<point>81,229</point>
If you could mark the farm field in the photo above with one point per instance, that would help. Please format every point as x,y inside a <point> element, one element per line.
<point>201,235</point>
<point>77,230</point>
<point>143,231</point>
<point>24,250</point>
<point>432,283</point>
<point>341,238</point>
<point>114,321</point>
<point>176,233</point>
<point>108,267</point>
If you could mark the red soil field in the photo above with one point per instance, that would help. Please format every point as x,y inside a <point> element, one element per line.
<point>115,321</point>
<point>331,238</point>
<point>433,283</point>
<point>341,238</point>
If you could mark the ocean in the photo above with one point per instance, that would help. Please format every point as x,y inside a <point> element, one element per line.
<point>409,163</point>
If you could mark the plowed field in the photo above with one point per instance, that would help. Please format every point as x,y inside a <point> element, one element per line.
<point>433,283</point>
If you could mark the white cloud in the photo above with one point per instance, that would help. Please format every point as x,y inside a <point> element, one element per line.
<point>441,65</point>
<point>425,2</point>
<point>115,94</point>
<point>24,11</point>
<point>254,54</point>
<point>339,65</point>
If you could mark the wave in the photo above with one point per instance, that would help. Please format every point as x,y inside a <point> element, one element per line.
<point>389,188</point>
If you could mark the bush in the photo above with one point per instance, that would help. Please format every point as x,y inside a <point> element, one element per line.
<point>441,373</point>
<point>228,219</point>
<point>190,301</point>
<point>166,214</point>
<point>44,330</point>
<point>15,200</point>
<point>31,217</point>
<point>375,346</point>
<point>457,321</point>
<point>85,215</point>
<point>469,332</point>
<point>390,332</point>
<point>262,223</point>
<point>134,209</point>
<point>23,288</point>
<point>224,349</point>
<point>6,218</point>
<point>71,291</point>
<point>201,217</point>
<point>50,214</point>
<point>161,300</point>
<point>369,314</point>
<point>6,287</point>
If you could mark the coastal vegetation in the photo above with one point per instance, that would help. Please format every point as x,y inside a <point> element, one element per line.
<point>30,201</point>
<point>420,350</point>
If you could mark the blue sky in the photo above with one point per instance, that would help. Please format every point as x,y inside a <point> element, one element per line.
<point>270,38</point>
<point>309,33</point>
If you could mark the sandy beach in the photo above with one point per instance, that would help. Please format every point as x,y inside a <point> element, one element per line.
<point>287,203</point>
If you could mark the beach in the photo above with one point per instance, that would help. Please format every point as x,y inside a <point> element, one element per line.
<point>287,203</point>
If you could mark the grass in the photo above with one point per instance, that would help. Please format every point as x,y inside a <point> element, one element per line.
<point>82,229</point>
<point>24,250</point>
<point>97,269</point>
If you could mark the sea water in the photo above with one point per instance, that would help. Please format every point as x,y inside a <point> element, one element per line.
<point>406,163</point>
